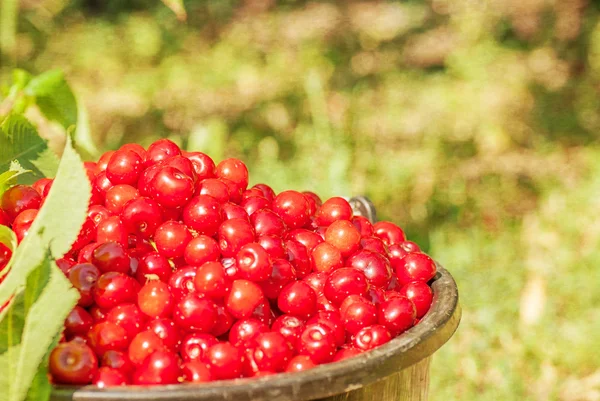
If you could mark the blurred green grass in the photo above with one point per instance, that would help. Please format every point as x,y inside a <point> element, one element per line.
<point>474,125</point>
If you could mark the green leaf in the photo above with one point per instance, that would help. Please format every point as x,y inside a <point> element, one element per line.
<point>177,7</point>
<point>8,238</point>
<point>19,140</point>
<point>82,137</point>
<point>57,223</point>
<point>8,178</point>
<point>54,97</point>
<point>30,328</point>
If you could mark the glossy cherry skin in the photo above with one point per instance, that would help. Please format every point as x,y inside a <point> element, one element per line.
<point>363,225</point>
<point>166,330</point>
<point>111,229</point>
<point>374,244</point>
<point>155,300</point>
<point>414,267</point>
<point>200,250</point>
<point>111,257</point>
<point>245,296</point>
<point>267,222</point>
<point>358,315</point>
<point>420,294</point>
<point>83,277</point>
<point>292,207</point>
<point>235,191</point>
<point>224,320</point>
<point>346,353</point>
<point>23,222</point>
<point>282,273</point>
<point>194,345</point>
<point>171,188</point>
<point>134,147</point>
<point>5,255</point>
<point>124,167</point>
<point>127,316</point>
<point>333,209</point>
<point>171,238</point>
<point>314,202</point>
<point>107,336</point>
<point>254,263</point>
<point>243,332</point>
<point>101,185</point>
<point>344,282</point>
<point>307,238</point>
<point>375,267</point>
<point>103,160</point>
<point>235,171</point>
<point>344,236</point>
<point>273,245</point>
<point>290,327</point>
<point>389,232</point>
<point>182,282</point>
<point>72,363</point>
<point>141,217</point>
<point>19,198</point>
<point>117,360</point>
<point>255,203</point>
<point>115,288</point>
<point>41,185</point>
<point>203,214</point>
<point>371,337</point>
<point>196,372</point>
<point>153,265</point>
<point>317,342</point>
<point>233,235</point>
<point>98,213</point>
<point>265,190</point>
<point>300,363</point>
<point>144,344</point>
<point>118,196</point>
<point>107,377</point>
<point>334,322</point>
<point>397,314</point>
<point>160,367</point>
<point>224,360</point>
<point>299,299</point>
<point>78,322</point>
<point>272,352</point>
<point>203,164</point>
<point>161,150</point>
<point>233,211</point>
<point>182,164</point>
<point>215,188</point>
<point>212,281</point>
<point>316,281</point>
<point>193,313</point>
<point>326,258</point>
<point>298,256</point>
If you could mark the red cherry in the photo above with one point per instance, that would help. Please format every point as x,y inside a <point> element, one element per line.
<point>273,245</point>
<point>335,324</point>
<point>166,330</point>
<point>298,298</point>
<point>171,238</point>
<point>64,264</point>
<point>414,267</point>
<point>326,258</point>
<point>124,167</point>
<point>153,264</point>
<point>203,164</point>
<point>253,262</point>
<point>83,277</point>
<point>290,327</point>
<point>375,267</point>
<point>203,214</point>
<point>161,150</point>
<point>144,344</point>
<point>171,188</point>
<point>41,184</point>
<point>235,192</point>
<point>196,372</point>
<point>19,198</point>
<point>298,256</point>
<point>107,336</point>
<point>316,281</point>
<point>272,352</point>
<point>233,211</point>
<point>200,250</point>
<point>282,273</point>
<point>194,346</point>
<point>358,315</point>
<point>182,282</point>
<point>111,256</point>
<point>134,147</point>
<point>344,282</point>
<point>266,222</point>
<point>224,360</point>
<point>141,217</point>
<point>244,297</point>
<point>215,188</point>
<point>212,281</point>
<point>98,213</point>
<point>103,161</point>
<point>397,314</point>
<point>111,229</point>
<point>23,222</point>
<point>300,363</point>
<point>317,342</point>
<point>78,322</point>
<point>117,360</point>
<point>333,209</point>
<point>195,313</point>
<point>243,332</point>
<point>420,294</point>
<point>115,288</point>
<point>161,367</point>
<point>292,207</point>
<point>101,185</point>
<point>155,300</point>
<point>224,321</point>
<point>344,236</point>
<point>182,164</point>
<point>363,225</point>
<point>118,196</point>
<point>235,171</point>
<point>307,238</point>
<point>254,203</point>
<point>374,244</point>
<point>346,353</point>
<point>127,316</point>
<point>388,232</point>
<point>72,363</point>
<point>233,235</point>
<point>107,377</point>
<point>266,191</point>
<point>371,337</point>
<point>314,202</point>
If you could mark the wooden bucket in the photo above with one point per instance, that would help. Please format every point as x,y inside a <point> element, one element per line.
<point>396,371</point>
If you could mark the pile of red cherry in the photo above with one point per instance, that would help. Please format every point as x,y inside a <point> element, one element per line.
<point>187,275</point>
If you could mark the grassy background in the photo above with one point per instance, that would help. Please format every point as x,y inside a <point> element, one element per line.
<point>474,125</point>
